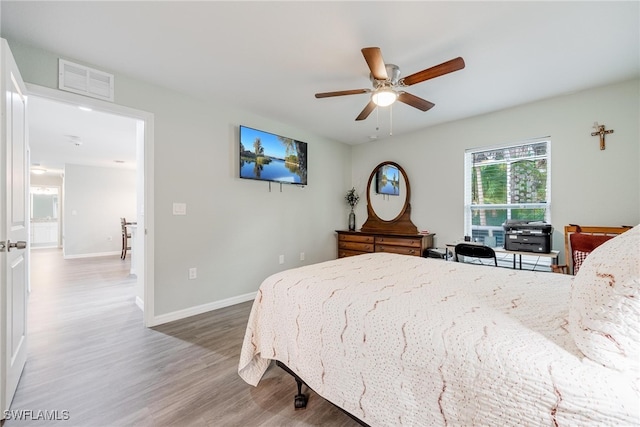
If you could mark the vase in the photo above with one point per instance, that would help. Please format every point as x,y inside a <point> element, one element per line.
<point>352,220</point>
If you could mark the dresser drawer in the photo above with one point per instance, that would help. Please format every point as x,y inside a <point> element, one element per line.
<point>355,246</point>
<point>403,250</point>
<point>413,242</point>
<point>355,238</point>
<point>355,243</point>
<point>342,253</point>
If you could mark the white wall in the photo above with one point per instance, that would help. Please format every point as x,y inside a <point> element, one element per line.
<point>234,230</point>
<point>95,200</point>
<point>589,186</point>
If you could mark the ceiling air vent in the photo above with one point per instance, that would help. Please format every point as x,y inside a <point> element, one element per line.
<point>86,81</point>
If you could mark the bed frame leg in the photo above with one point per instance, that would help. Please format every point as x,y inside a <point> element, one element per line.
<point>300,401</point>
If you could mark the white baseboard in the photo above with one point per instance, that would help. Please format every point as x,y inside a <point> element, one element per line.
<point>37,246</point>
<point>140,303</point>
<point>199,309</point>
<point>97,254</point>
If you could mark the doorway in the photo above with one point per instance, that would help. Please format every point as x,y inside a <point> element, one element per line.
<point>45,216</point>
<point>106,238</point>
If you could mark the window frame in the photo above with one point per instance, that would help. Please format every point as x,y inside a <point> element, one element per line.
<point>468,180</point>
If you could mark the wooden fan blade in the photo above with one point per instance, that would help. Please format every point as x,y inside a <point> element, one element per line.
<point>373,56</point>
<point>342,92</point>
<point>437,71</point>
<point>414,101</point>
<point>367,110</point>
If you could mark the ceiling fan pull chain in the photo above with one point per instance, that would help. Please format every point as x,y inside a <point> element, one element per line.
<point>390,120</point>
<point>377,118</point>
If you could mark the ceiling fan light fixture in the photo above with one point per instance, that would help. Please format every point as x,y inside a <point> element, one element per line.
<point>384,96</point>
<point>388,87</point>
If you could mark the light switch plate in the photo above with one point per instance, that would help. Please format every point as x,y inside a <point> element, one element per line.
<point>179,208</point>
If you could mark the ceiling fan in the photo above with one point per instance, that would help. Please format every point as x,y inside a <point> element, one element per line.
<point>387,84</point>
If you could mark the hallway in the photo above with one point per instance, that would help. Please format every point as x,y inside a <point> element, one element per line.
<point>81,311</point>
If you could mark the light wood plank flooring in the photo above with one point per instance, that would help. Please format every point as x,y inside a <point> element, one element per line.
<point>90,355</point>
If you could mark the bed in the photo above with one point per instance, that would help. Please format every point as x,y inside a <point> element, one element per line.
<point>400,340</point>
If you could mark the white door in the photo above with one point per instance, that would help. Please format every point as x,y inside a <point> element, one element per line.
<point>13,227</point>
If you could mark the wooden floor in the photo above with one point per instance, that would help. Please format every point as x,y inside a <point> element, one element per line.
<point>90,355</point>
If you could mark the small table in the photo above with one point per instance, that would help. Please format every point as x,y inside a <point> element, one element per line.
<point>553,254</point>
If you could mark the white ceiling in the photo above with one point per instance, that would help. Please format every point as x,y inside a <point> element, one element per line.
<point>62,134</point>
<point>272,57</point>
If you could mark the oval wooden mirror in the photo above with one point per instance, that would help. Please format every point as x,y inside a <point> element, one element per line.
<point>388,196</point>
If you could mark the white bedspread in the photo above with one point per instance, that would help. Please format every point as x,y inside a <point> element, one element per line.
<point>401,340</point>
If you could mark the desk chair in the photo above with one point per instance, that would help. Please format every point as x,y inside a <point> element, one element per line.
<point>475,251</point>
<point>125,238</point>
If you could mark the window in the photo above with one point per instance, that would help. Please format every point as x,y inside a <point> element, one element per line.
<point>507,182</point>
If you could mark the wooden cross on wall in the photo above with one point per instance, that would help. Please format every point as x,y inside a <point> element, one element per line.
<point>601,132</point>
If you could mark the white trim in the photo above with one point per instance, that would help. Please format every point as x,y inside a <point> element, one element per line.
<point>148,118</point>
<point>95,254</point>
<point>503,145</point>
<point>149,214</point>
<point>204,308</point>
<point>96,104</point>
<point>140,303</point>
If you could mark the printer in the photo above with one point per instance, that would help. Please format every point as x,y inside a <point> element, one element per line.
<point>527,236</point>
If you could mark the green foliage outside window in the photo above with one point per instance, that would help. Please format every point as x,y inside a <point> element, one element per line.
<point>493,184</point>
<point>515,175</point>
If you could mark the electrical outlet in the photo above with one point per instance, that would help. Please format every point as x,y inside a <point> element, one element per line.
<point>193,273</point>
<point>301,256</point>
<point>281,260</point>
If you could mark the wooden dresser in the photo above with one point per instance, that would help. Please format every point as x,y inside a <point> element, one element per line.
<point>358,242</point>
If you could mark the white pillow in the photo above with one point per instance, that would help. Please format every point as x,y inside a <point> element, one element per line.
<point>605,304</point>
